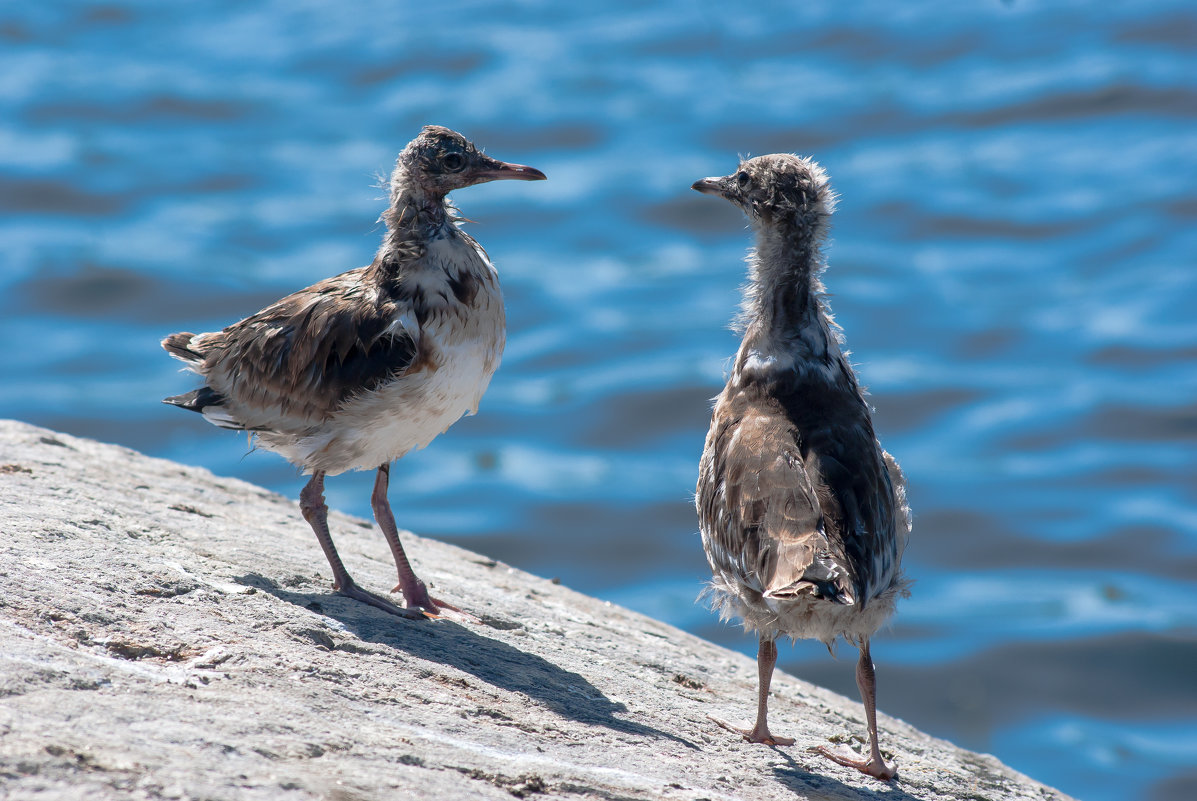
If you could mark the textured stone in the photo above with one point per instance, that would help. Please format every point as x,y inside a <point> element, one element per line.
<point>166,633</point>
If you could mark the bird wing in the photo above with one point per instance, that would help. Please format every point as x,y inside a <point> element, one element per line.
<point>761,510</point>
<point>858,497</point>
<point>297,361</point>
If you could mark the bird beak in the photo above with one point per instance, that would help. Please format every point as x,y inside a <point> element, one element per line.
<point>710,186</point>
<point>493,170</point>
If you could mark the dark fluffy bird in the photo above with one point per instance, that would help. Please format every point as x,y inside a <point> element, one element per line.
<point>356,370</point>
<point>803,515</point>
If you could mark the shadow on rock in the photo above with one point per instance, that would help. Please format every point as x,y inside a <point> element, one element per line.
<point>817,787</point>
<point>494,662</point>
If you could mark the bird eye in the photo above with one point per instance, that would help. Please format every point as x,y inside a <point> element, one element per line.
<point>453,162</point>
<point>742,179</point>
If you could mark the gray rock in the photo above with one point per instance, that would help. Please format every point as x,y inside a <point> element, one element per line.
<point>167,633</point>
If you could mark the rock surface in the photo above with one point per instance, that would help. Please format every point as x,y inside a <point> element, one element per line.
<point>166,633</point>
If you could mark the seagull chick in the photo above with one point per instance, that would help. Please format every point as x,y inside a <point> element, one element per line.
<point>803,515</point>
<point>356,370</point>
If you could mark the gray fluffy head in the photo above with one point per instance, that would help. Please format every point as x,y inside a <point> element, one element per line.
<point>435,163</point>
<point>778,190</point>
<point>432,165</point>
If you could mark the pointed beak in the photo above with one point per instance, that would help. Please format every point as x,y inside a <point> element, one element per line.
<point>494,170</point>
<point>709,186</point>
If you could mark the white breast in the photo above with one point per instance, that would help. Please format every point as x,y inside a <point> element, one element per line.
<point>409,413</point>
<point>460,350</point>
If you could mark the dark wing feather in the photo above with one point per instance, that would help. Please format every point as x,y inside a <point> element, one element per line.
<point>301,358</point>
<point>856,494</point>
<point>795,494</point>
<point>762,517</point>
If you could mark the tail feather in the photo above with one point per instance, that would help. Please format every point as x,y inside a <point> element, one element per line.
<point>797,568</point>
<point>209,403</point>
<point>181,346</point>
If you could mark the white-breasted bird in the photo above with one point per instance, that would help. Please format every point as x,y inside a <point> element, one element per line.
<point>357,370</point>
<point>803,515</point>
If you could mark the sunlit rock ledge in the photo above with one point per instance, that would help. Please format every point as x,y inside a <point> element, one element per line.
<point>168,633</point>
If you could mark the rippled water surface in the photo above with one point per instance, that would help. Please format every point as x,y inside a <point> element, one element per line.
<point>1013,265</point>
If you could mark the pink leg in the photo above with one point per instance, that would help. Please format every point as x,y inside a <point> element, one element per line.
<point>766,658</point>
<point>874,766</point>
<point>311,503</point>
<point>415,593</point>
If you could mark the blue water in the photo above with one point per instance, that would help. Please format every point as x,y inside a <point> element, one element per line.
<point>1013,265</point>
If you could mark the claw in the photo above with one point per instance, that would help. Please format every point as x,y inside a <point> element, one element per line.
<point>351,590</point>
<point>870,767</point>
<point>765,737</point>
<point>419,599</point>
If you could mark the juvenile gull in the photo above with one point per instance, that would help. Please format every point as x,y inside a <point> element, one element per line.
<point>803,515</point>
<point>356,370</point>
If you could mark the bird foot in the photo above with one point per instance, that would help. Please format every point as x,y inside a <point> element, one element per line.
<point>355,592</point>
<point>450,612</point>
<point>415,594</point>
<point>757,734</point>
<point>417,598</point>
<point>873,766</point>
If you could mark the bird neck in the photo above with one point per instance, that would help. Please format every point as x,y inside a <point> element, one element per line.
<point>784,291</point>
<point>414,218</point>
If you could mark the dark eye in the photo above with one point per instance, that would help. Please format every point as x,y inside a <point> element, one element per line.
<point>742,179</point>
<point>453,162</point>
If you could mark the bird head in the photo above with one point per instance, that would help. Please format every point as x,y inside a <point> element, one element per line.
<point>777,190</point>
<point>439,161</point>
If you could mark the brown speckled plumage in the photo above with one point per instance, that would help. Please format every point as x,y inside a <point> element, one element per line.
<point>353,372</point>
<point>803,515</point>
